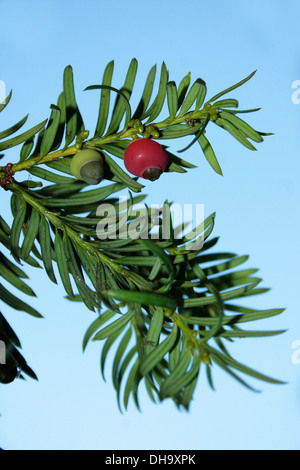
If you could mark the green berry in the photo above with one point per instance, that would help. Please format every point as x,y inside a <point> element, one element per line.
<point>87,165</point>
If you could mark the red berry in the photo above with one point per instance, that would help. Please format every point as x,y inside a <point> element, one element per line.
<point>145,158</point>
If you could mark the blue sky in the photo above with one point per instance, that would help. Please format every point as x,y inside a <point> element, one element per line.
<point>257,206</point>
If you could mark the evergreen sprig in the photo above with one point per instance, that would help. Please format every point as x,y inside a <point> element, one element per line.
<point>166,308</point>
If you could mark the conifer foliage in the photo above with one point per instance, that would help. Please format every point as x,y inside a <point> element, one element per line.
<point>167,311</point>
